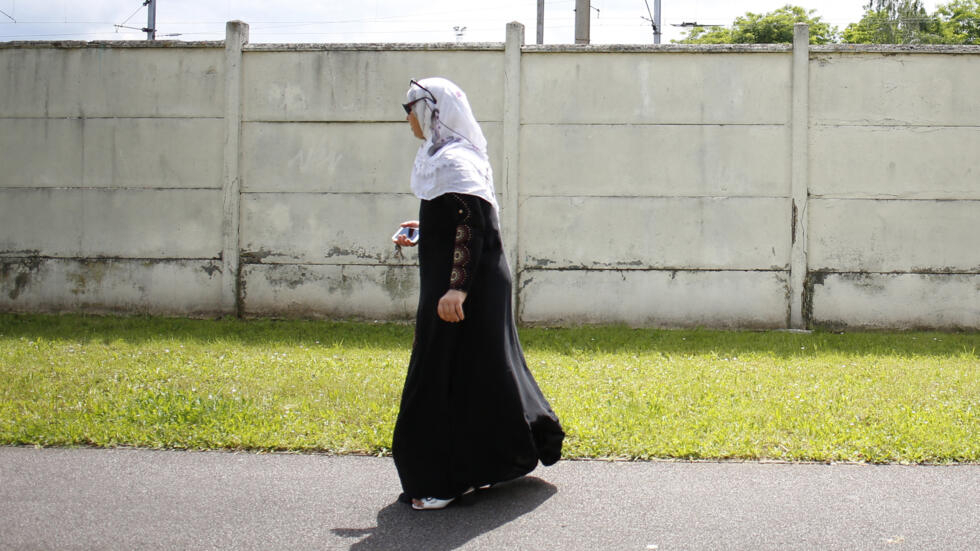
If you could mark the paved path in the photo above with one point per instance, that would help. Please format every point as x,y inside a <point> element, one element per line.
<point>140,499</point>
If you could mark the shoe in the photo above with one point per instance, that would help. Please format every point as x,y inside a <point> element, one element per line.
<point>430,503</point>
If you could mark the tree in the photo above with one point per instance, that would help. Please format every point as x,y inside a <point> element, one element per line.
<point>960,21</point>
<point>772,28</point>
<point>894,22</point>
<point>703,35</point>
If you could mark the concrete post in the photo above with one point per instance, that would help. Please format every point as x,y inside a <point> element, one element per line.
<point>236,36</point>
<point>583,17</point>
<point>798,318</point>
<point>510,217</point>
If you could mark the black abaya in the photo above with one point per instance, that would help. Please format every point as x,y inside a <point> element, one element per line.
<point>471,412</point>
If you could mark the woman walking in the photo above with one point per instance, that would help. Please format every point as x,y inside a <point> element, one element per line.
<point>471,412</point>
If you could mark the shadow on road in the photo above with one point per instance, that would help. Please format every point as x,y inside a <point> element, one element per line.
<point>401,527</point>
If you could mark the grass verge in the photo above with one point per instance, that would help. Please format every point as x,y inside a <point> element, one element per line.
<point>620,392</point>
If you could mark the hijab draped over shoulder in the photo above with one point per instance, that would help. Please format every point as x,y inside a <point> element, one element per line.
<point>453,158</point>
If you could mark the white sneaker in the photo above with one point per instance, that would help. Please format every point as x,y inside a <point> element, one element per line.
<point>430,503</point>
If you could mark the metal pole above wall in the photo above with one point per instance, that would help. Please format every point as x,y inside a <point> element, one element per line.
<point>656,21</point>
<point>151,19</point>
<point>582,19</point>
<point>540,36</point>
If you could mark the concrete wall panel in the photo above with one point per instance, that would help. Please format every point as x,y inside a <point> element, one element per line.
<point>643,160</point>
<point>168,287</point>
<point>323,228</point>
<point>361,292</point>
<point>900,89</point>
<point>154,153</point>
<point>895,162</point>
<point>352,85</point>
<point>656,298</point>
<point>41,152</point>
<point>117,152</point>
<point>902,301</point>
<point>111,82</point>
<point>643,232</point>
<point>628,88</point>
<point>894,236</point>
<point>92,223</point>
<point>329,157</point>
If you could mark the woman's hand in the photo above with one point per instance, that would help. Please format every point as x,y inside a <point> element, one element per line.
<point>403,241</point>
<point>451,306</point>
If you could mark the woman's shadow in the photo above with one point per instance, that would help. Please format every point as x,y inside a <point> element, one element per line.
<point>401,527</point>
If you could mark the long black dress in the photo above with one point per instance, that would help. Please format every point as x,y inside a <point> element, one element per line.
<point>471,412</point>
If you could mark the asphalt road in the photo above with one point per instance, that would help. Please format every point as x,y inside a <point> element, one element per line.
<point>141,499</point>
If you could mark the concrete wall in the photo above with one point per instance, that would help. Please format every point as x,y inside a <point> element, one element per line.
<point>895,189</point>
<point>110,189</point>
<point>723,186</point>
<point>675,169</point>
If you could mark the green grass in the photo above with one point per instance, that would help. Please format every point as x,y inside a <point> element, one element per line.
<point>620,392</point>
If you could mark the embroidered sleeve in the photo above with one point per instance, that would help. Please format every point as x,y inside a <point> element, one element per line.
<point>468,242</point>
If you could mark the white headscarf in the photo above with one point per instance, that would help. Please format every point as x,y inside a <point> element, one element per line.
<point>453,158</point>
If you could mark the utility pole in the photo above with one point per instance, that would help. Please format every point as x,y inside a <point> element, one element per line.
<point>583,15</point>
<point>540,38</point>
<point>654,19</point>
<point>151,19</point>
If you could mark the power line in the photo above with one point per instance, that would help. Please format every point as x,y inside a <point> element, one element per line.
<point>26,36</point>
<point>132,15</point>
<point>654,19</point>
<point>418,23</point>
<point>605,20</point>
<point>447,15</point>
<point>151,26</point>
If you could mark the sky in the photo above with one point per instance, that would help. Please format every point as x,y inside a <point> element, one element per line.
<point>304,21</point>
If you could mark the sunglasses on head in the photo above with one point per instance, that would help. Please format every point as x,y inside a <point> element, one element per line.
<point>408,106</point>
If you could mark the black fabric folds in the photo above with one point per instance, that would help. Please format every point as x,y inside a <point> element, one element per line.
<point>471,412</point>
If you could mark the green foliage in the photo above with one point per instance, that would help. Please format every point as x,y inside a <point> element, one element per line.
<point>706,35</point>
<point>883,22</point>
<point>895,22</point>
<point>960,21</point>
<point>772,28</point>
<point>620,392</point>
